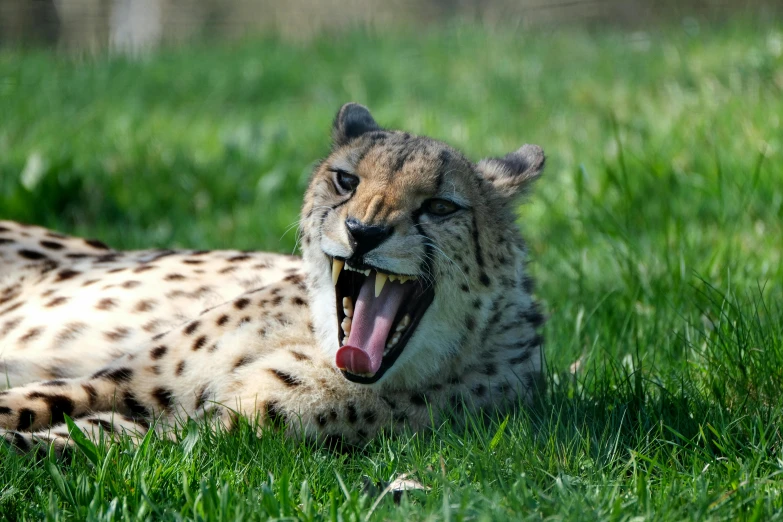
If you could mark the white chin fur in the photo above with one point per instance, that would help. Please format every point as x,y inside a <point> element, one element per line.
<point>322,301</point>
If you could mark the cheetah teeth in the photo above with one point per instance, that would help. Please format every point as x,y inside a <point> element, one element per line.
<point>347,307</point>
<point>348,267</point>
<point>348,320</point>
<point>398,333</point>
<point>400,278</point>
<point>380,278</point>
<point>346,326</point>
<point>404,323</point>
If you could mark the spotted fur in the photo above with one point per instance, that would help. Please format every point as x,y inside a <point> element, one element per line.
<point>119,340</point>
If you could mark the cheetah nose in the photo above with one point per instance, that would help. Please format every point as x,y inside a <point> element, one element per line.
<point>365,238</point>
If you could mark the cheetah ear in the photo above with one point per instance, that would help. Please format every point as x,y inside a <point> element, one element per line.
<point>513,174</point>
<point>352,121</point>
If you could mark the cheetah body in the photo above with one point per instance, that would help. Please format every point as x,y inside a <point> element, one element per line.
<point>117,340</point>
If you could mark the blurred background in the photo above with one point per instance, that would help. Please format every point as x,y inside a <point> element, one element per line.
<point>138,24</point>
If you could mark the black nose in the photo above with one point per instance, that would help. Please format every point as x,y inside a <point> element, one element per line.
<point>365,237</point>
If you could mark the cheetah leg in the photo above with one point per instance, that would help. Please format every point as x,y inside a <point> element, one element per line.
<point>37,406</point>
<point>107,426</point>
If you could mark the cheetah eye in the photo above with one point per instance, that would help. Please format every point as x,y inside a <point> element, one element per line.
<point>439,207</point>
<point>344,183</point>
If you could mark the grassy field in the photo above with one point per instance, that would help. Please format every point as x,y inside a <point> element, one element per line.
<point>656,233</point>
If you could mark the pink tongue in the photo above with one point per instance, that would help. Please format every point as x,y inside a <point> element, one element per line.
<point>370,327</point>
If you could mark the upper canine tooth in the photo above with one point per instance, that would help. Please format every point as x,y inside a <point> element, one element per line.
<point>380,280</point>
<point>337,267</point>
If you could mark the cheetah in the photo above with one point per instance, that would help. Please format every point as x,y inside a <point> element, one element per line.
<point>411,299</point>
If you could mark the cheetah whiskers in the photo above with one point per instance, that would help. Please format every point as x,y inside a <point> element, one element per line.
<point>299,230</point>
<point>296,224</point>
<point>428,242</point>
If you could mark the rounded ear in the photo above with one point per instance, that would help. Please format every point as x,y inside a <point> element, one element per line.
<point>513,174</point>
<point>352,121</point>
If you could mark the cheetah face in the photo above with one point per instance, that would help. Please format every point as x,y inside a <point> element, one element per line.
<point>395,233</point>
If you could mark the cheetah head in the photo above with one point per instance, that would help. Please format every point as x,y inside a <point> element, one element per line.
<point>404,239</point>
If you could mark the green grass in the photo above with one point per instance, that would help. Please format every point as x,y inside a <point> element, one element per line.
<point>656,234</point>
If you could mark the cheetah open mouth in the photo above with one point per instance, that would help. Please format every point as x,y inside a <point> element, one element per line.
<point>377,313</point>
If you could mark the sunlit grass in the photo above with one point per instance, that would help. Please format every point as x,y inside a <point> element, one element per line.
<point>656,236</point>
